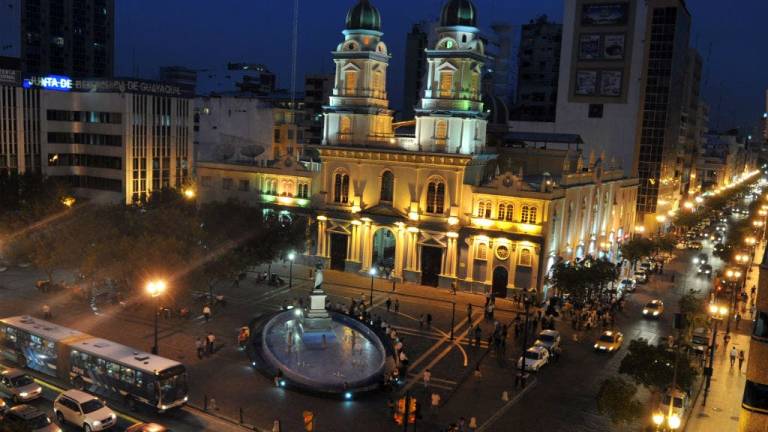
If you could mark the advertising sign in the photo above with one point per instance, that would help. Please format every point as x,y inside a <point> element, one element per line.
<point>589,47</point>
<point>586,82</point>
<point>613,46</point>
<point>610,83</point>
<point>604,14</point>
<point>49,82</point>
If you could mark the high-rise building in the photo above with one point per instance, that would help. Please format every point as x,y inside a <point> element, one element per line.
<point>663,88</point>
<point>20,139</point>
<point>415,67</point>
<point>538,71</point>
<point>317,92</point>
<point>691,123</point>
<point>73,38</point>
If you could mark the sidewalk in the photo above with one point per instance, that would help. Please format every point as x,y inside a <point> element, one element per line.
<point>724,400</point>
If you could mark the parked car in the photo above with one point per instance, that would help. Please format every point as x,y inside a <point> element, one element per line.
<point>677,399</point>
<point>653,309</point>
<point>609,341</point>
<point>549,339</point>
<point>641,277</point>
<point>147,427</point>
<point>535,358</point>
<point>84,410</point>
<point>628,285</point>
<point>19,386</point>
<point>28,418</point>
<point>700,340</point>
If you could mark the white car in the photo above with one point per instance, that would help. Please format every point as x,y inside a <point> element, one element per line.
<point>628,285</point>
<point>535,357</point>
<point>19,386</point>
<point>83,410</point>
<point>549,339</point>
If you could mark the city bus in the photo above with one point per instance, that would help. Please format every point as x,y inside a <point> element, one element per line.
<point>92,363</point>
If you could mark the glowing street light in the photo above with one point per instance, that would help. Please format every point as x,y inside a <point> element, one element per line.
<point>291,257</point>
<point>68,201</point>
<point>155,289</point>
<point>372,272</point>
<point>189,193</point>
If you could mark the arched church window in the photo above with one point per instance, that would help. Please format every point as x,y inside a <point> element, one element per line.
<point>341,188</point>
<point>524,214</point>
<point>532,215</point>
<point>435,196</point>
<point>510,212</point>
<point>502,212</point>
<point>387,186</point>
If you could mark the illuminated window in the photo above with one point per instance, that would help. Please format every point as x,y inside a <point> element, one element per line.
<point>482,251</point>
<point>524,214</point>
<point>532,215</point>
<point>441,131</point>
<point>345,125</point>
<point>446,83</point>
<point>350,82</point>
<point>435,196</point>
<point>502,212</point>
<point>378,81</point>
<point>525,258</point>
<point>341,188</point>
<point>510,212</point>
<point>387,186</point>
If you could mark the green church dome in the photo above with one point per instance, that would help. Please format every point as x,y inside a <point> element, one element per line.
<point>363,16</point>
<point>459,13</point>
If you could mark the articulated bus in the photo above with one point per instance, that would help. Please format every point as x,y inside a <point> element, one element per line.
<point>92,363</point>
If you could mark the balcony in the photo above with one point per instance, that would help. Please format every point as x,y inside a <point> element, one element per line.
<point>373,94</point>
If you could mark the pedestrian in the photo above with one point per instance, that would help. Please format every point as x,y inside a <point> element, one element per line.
<point>477,373</point>
<point>199,347</point>
<point>278,378</point>
<point>734,353</point>
<point>210,342</point>
<point>429,320</point>
<point>421,321</point>
<point>752,292</point>
<point>46,312</point>
<point>469,313</point>
<point>427,376</point>
<point>397,306</point>
<point>478,335</point>
<point>206,312</point>
<point>276,423</point>
<point>388,303</point>
<point>741,359</point>
<point>403,358</point>
<point>737,318</point>
<point>434,402</point>
<point>472,424</point>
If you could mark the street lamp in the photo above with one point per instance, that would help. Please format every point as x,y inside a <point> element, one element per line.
<point>372,272</point>
<point>189,193</point>
<point>155,289</point>
<point>717,313</point>
<point>291,257</point>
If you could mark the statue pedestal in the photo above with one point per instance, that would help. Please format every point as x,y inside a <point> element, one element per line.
<point>317,318</point>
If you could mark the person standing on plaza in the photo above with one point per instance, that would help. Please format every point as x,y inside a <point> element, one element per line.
<point>421,321</point>
<point>734,353</point>
<point>206,312</point>
<point>46,312</point>
<point>427,378</point>
<point>210,342</point>
<point>469,314</point>
<point>741,359</point>
<point>397,306</point>
<point>388,303</point>
<point>200,347</point>
<point>737,319</point>
<point>478,335</point>
<point>429,320</point>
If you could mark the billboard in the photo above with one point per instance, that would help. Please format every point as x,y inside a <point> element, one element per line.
<point>604,14</point>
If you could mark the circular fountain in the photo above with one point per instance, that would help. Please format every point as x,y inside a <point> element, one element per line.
<point>322,351</point>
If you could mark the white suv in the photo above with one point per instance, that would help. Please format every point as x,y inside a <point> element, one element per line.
<point>83,410</point>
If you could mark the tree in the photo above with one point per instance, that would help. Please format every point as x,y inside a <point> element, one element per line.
<point>692,310</point>
<point>568,279</point>
<point>652,366</point>
<point>636,249</point>
<point>687,219</point>
<point>616,399</point>
<point>665,244</point>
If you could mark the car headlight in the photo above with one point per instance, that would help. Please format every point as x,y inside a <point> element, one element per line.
<point>695,260</point>
<point>113,416</point>
<point>186,398</point>
<point>610,348</point>
<point>597,346</point>
<point>23,394</point>
<point>655,313</point>
<point>96,422</point>
<point>645,311</point>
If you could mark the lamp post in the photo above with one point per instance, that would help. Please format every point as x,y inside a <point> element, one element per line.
<point>291,257</point>
<point>733,276</point>
<point>372,272</point>
<point>527,305</point>
<point>717,313</point>
<point>155,289</point>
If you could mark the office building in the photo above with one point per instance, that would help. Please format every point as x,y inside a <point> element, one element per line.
<point>538,71</point>
<point>415,67</point>
<point>179,75</point>
<point>317,93</point>
<point>74,38</point>
<point>20,122</point>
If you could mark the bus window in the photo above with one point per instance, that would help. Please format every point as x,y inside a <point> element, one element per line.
<point>126,375</point>
<point>139,379</point>
<point>8,336</point>
<point>113,370</point>
<point>101,366</point>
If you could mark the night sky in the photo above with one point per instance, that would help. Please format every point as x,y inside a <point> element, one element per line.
<point>204,33</point>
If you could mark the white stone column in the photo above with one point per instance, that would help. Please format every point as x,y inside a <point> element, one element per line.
<point>322,239</point>
<point>471,259</point>
<point>399,252</point>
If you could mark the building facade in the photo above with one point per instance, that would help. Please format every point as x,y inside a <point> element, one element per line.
<point>317,94</point>
<point>74,38</point>
<point>415,67</point>
<point>438,208</point>
<point>538,65</point>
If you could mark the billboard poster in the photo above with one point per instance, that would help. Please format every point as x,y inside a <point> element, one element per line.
<point>586,82</point>
<point>604,14</point>
<point>613,46</point>
<point>610,83</point>
<point>589,47</point>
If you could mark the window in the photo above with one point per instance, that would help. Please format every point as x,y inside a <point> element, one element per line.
<point>303,190</point>
<point>502,212</point>
<point>441,131</point>
<point>387,186</point>
<point>244,185</point>
<point>532,215</point>
<point>510,212</point>
<point>378,81</point>
<point>435,196</point>
<point>341,188</point>
<point>525,257</point>
<point>595,111</point>
<point>524,215</point>
<point>350,82</point>
<point>482,251</point>
<point>226,183</point>
<point>446,83</point>
<point>277,136</point>
<point>481,209</point>
<point>345,126</point>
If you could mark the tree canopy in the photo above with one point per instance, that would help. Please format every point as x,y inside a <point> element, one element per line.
<point>652,366</point>
<point>616,399</point>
